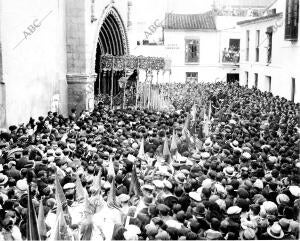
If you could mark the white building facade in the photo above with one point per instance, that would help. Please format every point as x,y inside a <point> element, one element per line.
<point>49,54</point>
<point>201,47</point>
<point>198,50</point>
<point>270,51</point>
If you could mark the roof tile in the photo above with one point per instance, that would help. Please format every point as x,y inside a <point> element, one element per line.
<point>190,21</point>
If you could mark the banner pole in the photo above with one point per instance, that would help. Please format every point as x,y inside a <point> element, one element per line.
<point>150,83</point>
<point>99,84</point>
<point>137,85</point>
<point>124,93</point>
<point>112,82</point>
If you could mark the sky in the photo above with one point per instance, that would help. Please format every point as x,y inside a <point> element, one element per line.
<point>145,12</point>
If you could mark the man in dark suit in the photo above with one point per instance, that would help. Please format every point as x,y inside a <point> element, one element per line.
<point>121,188</point>
<point>12,171</point>
<point>23,160</point>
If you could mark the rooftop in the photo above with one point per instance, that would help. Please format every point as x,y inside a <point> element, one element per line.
<point>243,3</point>
<point>255,20</point>
<point>205,21</point>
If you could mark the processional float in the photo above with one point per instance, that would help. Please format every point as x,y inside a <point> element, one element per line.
<point>144,90</point>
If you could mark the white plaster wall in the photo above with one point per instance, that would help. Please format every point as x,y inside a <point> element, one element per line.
<point>207,67</point>
<point>228,22</point>
<point>285,59</point>
<point>35,70</point>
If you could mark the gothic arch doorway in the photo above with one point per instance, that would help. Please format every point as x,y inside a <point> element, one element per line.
<point>113,40</point>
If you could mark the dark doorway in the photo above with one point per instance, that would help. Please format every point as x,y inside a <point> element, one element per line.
<point>269,83</point>
<point>111,40</point>
<point>293,89</point>
<point>233,78</point>
<point>255,80</point>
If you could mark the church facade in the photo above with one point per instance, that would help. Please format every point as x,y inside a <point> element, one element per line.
<point>50,54</point>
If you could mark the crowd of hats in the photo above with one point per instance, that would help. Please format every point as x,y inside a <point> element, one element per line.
<point>240,182</point>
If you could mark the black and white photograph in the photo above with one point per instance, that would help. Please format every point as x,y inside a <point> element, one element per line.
<point>149,120</point>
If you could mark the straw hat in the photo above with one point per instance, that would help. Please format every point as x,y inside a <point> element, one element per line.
<point>269,206</point>
<point>275,231</point>
<point>282,198</point>
<point>208,143</point>
<point>195,196</point>
<point>179,177</point>
<point>229,171</point>
<point>3,179</point>
<point>295,191</point>
<point>234,144</point>
<point>22,185</point>
<point>234,210</point>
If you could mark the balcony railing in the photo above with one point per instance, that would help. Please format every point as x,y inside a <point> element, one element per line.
<point>231,56</point>
<point>239,12</point>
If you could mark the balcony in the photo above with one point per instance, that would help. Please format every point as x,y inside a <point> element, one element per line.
<point>231,56</point>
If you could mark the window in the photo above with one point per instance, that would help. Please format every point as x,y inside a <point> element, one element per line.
<point>191,51</point>
<point>232,55</point>
<point>233,78</point>
<point>291,20</point>
<point>269,46</point>
<point>191,76</point>
<point>293,89</point>
<point>268,83</point>
<point>255,80</point>
<point>247,44</point>
<point>257,45</point>
<point>247,78</point>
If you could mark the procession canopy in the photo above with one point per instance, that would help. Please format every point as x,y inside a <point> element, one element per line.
<point>131,62</point>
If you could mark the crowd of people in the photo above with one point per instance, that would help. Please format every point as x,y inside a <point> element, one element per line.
<point>231,55</point>
<point>140,175</point>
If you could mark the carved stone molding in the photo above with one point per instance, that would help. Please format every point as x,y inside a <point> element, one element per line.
<point>121,25</point>
<point>81,78</point>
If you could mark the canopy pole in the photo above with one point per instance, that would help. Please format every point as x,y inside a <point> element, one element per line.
<point>112,83</point>
<point>99,84</point>
<point>150,83</point>
<point>169,89</point>
<point>105,82</point>
<point>157,91</point>
<point>145,95</point>
<point>124,94</point>
<point>137,85</point>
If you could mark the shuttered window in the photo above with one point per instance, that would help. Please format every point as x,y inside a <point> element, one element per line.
<point>291,20</point>
<point>192,51</point>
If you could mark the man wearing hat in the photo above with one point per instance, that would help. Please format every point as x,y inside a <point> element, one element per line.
<point>144,203</point>
<point>248,234</point>
<point>213,233</point>
<point>199,213</point>
<point>233,219</point>
<point>123,200</point>
<point>120,188</point>
<point>12,171</point>
<point>273,232</point>
<point>3,187</point>
<point>164,212</point>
